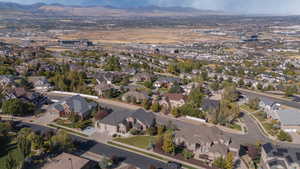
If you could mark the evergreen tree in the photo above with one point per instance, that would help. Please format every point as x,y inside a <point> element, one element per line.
<point>168,144</point>
<point>229,161</point>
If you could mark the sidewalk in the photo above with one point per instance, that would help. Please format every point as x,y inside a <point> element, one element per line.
<point>163,157</point>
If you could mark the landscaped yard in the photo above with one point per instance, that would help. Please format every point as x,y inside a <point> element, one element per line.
<point>80,124</point>
<point>137,141</point>
<point>247,108</point>
<point>235,127</point>
<point>271,126</point>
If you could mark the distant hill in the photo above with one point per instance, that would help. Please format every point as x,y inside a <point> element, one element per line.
<point>105,11</point>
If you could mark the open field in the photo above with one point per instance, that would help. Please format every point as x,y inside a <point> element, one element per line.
<point>144,35</point>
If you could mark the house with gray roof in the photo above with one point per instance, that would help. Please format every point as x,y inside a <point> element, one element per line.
<point>289,120</point>
<point>278,157</point>
<point>74,105</point>
<point>120,122</point>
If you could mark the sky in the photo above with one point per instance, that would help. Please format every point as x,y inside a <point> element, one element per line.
<point>285,7</point>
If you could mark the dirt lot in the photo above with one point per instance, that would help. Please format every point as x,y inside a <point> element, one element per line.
<point>141,35</point>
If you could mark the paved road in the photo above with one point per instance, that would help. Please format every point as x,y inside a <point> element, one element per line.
<point>281,101</point>
<point>106,150</point>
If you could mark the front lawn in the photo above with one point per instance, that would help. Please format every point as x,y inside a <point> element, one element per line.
<point>271,126</point>
<point>82,124</point>
<point>235,127</point>
<point>247,108</point>
<point>137,141</point>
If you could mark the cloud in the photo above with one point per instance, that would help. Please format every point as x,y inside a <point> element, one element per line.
<point>240,6</point>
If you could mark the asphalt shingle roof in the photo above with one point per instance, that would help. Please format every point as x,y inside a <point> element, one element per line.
<point>289,117</point>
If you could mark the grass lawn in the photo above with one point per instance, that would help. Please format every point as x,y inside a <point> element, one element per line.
<point>269,125</point>
<point>137,141</point>
<point>11,147</point>
<point>235,127</point>
<point>247,108</point>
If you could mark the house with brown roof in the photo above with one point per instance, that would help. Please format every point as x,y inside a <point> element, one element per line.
<point>66,161</point>
<point>172,100</point>
<point>121,122</point>
<point>207,143</point>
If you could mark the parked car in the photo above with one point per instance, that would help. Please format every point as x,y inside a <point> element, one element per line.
<point>174,165</point>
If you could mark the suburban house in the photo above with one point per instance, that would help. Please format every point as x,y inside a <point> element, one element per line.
<point>74,105</point>
<point>289,120</point>
<point>100,89</point>
<point>40,83</point>
<point>142,77</point>
<point>66,160</point>
<point>166,82</point>
<point>207,144</point>
<point>172,100</point>
<point>270,107</point>
<point>122,122</point>
<point>27,96</point>
<point>276,157</point>
<point>138,97</point>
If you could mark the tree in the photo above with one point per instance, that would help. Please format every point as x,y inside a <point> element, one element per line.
<point>105,163</point>
<point>283,136</point>
<point>187,154</point>
<point>253,103</point>
<point>219,163</point>
<point>229,161</point>
<point>17,107</point>
<point>168,144</point>
<point>259,86</point>
<point>146,104</point>
<point>228,112</point>
<point>175,112</point>
<point>155,107</point>
<point>175,89</point>
<point>230,93</point>
<point>62,141</point>
<point>161,129</point>
<point>112,64</point>
<point>195,97</point>
<point>241,83</point>
<point>148,84</point>
<point>10,162</point>
<point>24,146</point>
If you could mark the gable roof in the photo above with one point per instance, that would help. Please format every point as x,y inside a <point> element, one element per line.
<point>117,117</point>
<point>289,117</point>
<point>174,96</point>
<point>143,116</point>
<point>65,161</point>
<point>77,104</point>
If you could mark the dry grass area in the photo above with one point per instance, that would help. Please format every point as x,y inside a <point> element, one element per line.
<point>145,35</point>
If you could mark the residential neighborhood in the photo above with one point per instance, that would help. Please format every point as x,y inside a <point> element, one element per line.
<point>148,85</point>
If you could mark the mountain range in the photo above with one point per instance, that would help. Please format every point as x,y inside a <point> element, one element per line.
<point>100,8</point>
